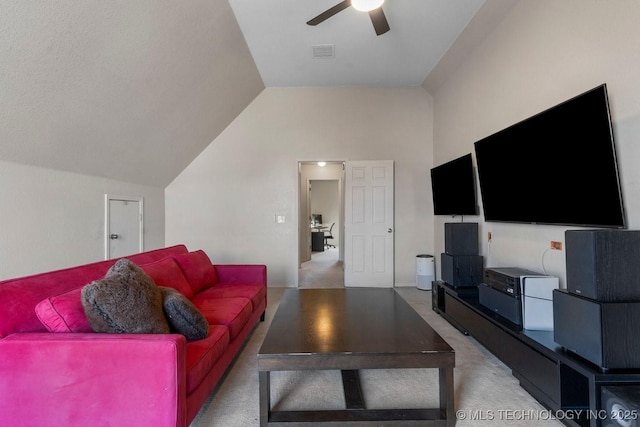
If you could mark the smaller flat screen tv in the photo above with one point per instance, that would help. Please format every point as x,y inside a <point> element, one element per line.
<point>557,167</point>
<point>454,188</point>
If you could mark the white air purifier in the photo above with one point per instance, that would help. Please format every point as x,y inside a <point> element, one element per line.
<point>424,271</point>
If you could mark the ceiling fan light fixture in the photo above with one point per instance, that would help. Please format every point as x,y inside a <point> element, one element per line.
<point>366,5</point>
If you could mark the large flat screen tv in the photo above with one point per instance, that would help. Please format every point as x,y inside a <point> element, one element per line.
<point>557,167</point>
<point>454,188</point>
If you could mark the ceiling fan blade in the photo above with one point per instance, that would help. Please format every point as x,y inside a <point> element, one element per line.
<point>379,21</point>
<point>330,12</point>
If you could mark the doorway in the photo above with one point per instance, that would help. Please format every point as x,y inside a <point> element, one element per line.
<point>366,224</point>
<point>124,225</point>
<point>321,215</point>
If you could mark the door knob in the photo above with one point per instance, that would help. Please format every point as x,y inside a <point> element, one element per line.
<point>389,230</point>
<point>113,236</point>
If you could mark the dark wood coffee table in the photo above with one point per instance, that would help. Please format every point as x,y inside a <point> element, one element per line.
<point>347,330</point>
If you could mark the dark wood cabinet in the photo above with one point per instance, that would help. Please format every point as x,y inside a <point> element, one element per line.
<point>537,373</point>
<point>475,325</point>
<point>557,378</point>
<point>317,241</point>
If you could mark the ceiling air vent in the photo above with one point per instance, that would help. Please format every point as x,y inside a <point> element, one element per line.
<point>323,51</point>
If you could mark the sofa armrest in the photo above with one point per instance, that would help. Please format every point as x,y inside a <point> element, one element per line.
<point>85,379</point>
<point>242,273</point>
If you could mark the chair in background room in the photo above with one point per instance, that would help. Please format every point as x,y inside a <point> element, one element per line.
<point>329,236</point>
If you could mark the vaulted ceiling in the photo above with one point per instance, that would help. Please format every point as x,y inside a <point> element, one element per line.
<point>128,90</point>
<point>134,91</point>
<point>282,44</point>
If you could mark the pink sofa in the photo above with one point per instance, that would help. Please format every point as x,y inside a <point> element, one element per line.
<point>55,371</point>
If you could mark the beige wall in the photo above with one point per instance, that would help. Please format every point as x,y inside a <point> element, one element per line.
<point>52,219</point>
<point>225,201</point>
<point>541,54</point>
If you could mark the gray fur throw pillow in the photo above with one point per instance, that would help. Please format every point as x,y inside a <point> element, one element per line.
<point>184,317</point>
<point>125,301</point>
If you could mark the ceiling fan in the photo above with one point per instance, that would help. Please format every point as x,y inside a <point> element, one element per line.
<point>373,7</point>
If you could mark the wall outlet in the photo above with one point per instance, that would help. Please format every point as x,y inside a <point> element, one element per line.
<point>556,245</point>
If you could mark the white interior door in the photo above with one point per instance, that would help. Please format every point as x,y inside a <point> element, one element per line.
<point>123,226</point>
<point>369,222</point>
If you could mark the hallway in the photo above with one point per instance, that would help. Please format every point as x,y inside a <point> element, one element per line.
<point>324,270</point>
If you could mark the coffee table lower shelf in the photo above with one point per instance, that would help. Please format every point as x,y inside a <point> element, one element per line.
<point>356,413</point>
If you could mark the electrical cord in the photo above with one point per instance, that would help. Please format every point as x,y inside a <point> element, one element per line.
<point>544,270</point>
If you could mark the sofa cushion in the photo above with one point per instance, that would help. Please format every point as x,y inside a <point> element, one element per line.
<point>126,300</point>
<point>166,272</point>
<point>230,312</point>
<point>203,354</point>
<point>183,317</point>
<point>197,268</point>
<point>257,293</point>
<point>63,313</point>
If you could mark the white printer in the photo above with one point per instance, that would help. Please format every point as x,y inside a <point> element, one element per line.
<point>537,302</point>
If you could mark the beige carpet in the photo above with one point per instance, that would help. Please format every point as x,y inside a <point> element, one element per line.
<point>324,270</point>
<point>485,391</point>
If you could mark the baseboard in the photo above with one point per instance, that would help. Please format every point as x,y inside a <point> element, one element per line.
<point>404,285</point>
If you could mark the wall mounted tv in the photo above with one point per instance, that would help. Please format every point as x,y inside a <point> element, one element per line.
<point>557,167</point>
<point>454,188</point>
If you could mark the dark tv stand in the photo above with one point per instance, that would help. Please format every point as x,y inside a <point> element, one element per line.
<point>561,381</point>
